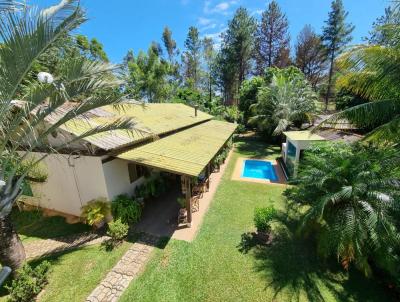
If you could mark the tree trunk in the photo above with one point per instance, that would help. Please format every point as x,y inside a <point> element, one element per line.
<point>12,252</point>
<point>328,92</point>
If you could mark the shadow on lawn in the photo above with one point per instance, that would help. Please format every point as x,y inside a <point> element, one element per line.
<point>34,224</point>
<point>293,270</point>
<point>254,147</point>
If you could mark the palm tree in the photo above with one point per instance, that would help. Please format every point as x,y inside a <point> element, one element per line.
<point>352,196</point>
<point>289,100</point>
<point>373,72</point>
<point>26,34</point>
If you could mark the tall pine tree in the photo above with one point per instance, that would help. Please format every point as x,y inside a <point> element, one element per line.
<point>192,57</point>
<point>209,56</point>
<point>169,44</point>
<point>336,35</point>
<point>236,52</point>
<point>272,42</point>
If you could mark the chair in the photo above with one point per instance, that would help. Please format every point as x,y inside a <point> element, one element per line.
<point>195,203</point>
<point>198,190</point>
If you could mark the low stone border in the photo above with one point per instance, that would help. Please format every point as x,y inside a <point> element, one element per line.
<point>128,268</point>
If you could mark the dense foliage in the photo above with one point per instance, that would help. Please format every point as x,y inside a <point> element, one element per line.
<point>287,101</point>
<point>263,218</point>
<point>29,283</point>
<point>352,194</point>
<point>126,209</point>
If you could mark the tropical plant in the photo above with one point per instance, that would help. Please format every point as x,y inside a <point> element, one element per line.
<point>126,209</point>
<point>288,101</point>
<point>96,211</point>
<point>26,34</point>
<point>263,218</point>
<point>372,72</point>
<point>29,283</point>
<point>351,195</point>
<point>232,114</point>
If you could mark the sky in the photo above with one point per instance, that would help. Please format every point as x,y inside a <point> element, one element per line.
<point>122,25</point>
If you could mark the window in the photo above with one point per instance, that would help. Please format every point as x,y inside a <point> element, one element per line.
<point>135,172</point>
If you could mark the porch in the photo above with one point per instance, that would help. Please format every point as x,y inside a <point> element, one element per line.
<point>192,155</point>
<point>160,216</point>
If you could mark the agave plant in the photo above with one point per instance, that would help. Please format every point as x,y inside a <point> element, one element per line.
<point>25,35</point>
<point>287,101</point>
<point>352,196</point>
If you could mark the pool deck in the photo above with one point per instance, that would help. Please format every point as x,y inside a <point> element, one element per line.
<point>237,172</point>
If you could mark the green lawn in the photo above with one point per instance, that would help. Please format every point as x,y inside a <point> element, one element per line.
<point>74,274</point>
<point>223,264</point>
<point>32,225</point>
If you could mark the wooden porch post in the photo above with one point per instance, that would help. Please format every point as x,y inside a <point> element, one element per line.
<point>188,200</point>
<point>208,176</point>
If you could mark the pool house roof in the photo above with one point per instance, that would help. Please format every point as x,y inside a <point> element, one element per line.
<point>303,136</point>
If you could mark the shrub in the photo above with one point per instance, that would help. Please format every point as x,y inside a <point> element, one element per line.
<point>29,283</point>
<point>263,217</point>
<point>96,211</point>
<point>126,209</point>
<point>117,230</point>
<point>240,129</point>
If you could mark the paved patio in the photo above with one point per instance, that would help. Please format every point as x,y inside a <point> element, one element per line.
<point>159,216</point>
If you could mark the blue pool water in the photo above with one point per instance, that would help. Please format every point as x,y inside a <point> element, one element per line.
<point>259,169</point>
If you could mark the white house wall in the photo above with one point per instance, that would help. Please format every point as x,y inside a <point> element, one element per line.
<point>72,182</point>
<point>117,179</point>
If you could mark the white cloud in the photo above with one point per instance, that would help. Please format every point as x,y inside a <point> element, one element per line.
<point>216,37</point>
<point>204,21</point>
<point>208,27</point>
<point>220,8</point>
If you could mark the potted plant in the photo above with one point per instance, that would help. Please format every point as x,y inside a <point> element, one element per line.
<point>182,215</point>
<point>262,222</point>
<point>97,212</point>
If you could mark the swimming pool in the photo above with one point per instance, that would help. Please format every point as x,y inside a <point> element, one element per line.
<point>259,169</point>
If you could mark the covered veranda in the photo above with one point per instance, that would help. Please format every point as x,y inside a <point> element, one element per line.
<point>189,154</point>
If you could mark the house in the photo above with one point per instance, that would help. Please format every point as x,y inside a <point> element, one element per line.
<point>298,141</point>
<point>174,138</point>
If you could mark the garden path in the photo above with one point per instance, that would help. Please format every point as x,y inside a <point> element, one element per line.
<point>127,269</point>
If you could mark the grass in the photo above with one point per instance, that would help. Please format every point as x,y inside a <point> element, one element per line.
<point>74,274</point>
<point>32,225</point>
<point>223,264</point>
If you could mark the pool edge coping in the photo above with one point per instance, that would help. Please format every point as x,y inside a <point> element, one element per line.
<point>239,165</point>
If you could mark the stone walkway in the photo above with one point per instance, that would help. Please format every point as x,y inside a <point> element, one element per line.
<point>128,268</point>
<point>45,247</point>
